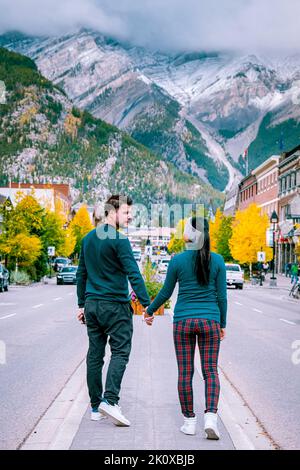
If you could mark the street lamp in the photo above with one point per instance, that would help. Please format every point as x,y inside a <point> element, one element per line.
<point>274,221</point>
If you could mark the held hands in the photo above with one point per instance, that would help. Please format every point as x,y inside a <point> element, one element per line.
<point>80,316</point>
<point>148,318</point>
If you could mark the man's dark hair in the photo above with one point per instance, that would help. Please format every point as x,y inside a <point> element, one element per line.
<point>115,202</point>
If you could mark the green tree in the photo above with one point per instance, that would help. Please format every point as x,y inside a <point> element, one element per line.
<point>223,237</point>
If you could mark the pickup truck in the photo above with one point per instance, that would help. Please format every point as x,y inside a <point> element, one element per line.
<point>234,275</point>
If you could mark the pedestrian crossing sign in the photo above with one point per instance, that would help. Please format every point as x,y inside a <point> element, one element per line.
<point>261,256</point>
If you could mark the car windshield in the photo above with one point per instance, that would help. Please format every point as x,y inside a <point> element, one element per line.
<point>61,260</point>
<point>232,268</point>
<point>71,269</point>
<point>165,261</point>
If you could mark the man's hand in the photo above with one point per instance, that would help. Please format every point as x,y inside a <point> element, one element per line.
<point>148,318</point>
<point>223,333</point>
<point>80,316</point>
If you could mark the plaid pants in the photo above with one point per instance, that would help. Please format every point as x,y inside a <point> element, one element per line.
<point>207,333</point>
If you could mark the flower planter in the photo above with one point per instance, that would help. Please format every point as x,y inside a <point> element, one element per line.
<point>138,308</point>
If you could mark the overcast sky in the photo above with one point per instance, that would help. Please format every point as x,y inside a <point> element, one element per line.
<point>175,25</point>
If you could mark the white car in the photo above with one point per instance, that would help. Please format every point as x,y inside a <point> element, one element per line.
<point>234,275</point>
<point>163,265</point>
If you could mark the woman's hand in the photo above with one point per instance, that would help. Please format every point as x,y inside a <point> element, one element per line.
<point>148,318</point>
<point>223,333</point>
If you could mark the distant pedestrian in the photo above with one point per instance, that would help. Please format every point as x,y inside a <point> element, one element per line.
<point>294,273</point>
<point>266,268</point>
<point>288,267</point>
<point>199,317</point>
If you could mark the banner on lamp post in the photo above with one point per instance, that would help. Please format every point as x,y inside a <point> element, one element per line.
<point>269,237</point>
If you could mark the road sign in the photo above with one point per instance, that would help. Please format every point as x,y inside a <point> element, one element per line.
<point>148,250</point>
<point>51,250</point>
<point>261,256</point>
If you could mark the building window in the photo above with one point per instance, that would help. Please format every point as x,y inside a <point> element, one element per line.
<point>298,178</point>
<point>283,185</point>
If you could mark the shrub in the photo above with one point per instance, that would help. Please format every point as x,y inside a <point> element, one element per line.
<point>20,278</point>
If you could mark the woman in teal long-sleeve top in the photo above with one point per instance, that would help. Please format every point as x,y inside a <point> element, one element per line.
<point>199,315</point>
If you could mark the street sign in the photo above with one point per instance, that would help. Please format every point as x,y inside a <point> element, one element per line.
<point>148,250</point>
<point>51,250</point>
<point>261,256</point>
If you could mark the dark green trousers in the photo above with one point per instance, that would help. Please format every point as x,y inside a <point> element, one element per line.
<point>107,320</point>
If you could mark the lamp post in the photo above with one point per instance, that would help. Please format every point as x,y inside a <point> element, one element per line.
<point>274,221</point>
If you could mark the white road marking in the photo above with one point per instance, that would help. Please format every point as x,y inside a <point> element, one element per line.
<point>8,316</point>
<point>57,298</point>
<point>238,303</point>
<point>256,310</point>
<point>287,321</point>
<point>4,304</point>
<point>38,305</point>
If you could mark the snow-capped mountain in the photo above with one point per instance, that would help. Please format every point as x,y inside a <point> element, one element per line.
<point>198,110</point>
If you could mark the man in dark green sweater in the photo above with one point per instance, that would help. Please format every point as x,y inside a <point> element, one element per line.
<point>106,264</point>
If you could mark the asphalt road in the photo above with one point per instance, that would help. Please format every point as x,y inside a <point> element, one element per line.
<point>257,354</point>
<point>44,345</point>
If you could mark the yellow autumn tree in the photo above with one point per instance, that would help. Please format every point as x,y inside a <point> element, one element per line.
<point>80,226</point>
<point>69,243</point>
<point>176,244</point>
<point>214,230</point>
<point>249,236</point>
<point>24,249</point>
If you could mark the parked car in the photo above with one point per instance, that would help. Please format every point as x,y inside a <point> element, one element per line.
<point>137,253</point>
<point>4,278</point>
<point>234,275</point>
<point>67,275</point>
<point>60,263</point>
<point>163,265</point>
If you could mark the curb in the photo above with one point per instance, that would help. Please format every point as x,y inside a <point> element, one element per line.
<point>58,426</point>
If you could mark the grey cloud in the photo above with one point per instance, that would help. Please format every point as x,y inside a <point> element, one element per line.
<point>178,25</point>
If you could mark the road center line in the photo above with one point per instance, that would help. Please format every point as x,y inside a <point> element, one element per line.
<point>5,304</point>
<point>38,305</point>
<point>287,321</point>
<point>57,298</point>
<point>256,310</point>
<point>238,303</point>
<point>8,316</point>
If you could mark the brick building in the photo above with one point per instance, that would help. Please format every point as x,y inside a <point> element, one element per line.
<point>49,195</point>
<point>288,206</point>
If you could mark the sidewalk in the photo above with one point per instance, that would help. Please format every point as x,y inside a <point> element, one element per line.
<point>283,283</point>
<point>149,400</point>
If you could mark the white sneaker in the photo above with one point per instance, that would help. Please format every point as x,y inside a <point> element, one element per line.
<point>97,416</point>
<point>189,426</point>
<point>210,426</point>
<point>114,412</point>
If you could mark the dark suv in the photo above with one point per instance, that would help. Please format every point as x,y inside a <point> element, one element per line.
<point>67,275</point>
<point>4,278</point>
